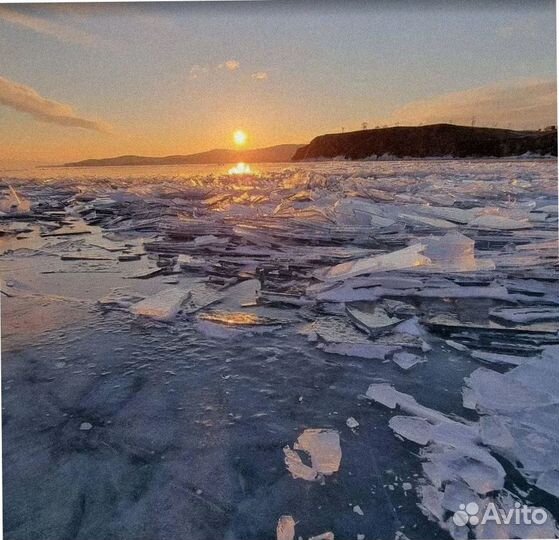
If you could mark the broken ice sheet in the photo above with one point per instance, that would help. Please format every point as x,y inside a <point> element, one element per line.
<point>524,404</point>
<point>201,296</point>
<point>406,360</point>
<point>238,318</point>
<point>354,211</point>
<point>333,330</point>
<point>454,252</point>
<point>549,482</point>
<point>387,395</point>
<point>498,358</point>
<point>323,448</point>
<point>499,223</point>
<point>526,314</point>
<point>372,322</point>
<point>14,203</point>
<point>285,529</point>
<point>436,223</point>
<point>412,428</point>
<point>338,336</point>
<point>409,257</point>
<point>450,322</point>
<point>119,298</point>
<point>162,306</point>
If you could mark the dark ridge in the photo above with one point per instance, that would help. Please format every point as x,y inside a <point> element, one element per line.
<point>271,154</point>
<point>437,140</point>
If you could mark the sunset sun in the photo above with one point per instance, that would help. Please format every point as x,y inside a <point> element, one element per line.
<point>239,137</point>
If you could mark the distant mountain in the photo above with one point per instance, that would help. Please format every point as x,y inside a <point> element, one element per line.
<point>437,140</point>
<point>271,154</point>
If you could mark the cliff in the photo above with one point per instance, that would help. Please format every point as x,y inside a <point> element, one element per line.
<point>438,140</point>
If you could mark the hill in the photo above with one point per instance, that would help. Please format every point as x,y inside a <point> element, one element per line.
<point>437,140</point>
<point>271,154</point>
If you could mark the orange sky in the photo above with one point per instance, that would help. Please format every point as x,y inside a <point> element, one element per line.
<point>100,80</point>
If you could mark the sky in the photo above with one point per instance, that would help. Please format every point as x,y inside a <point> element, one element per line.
<point>82,81</point>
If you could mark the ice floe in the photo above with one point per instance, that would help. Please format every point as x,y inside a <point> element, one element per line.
<point>323,448</point>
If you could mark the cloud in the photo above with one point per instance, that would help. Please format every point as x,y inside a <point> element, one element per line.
<point>230,65</point>
<point>527,104</point>
<point>25,99</point>
<point>260,76</point>
<point>197,71</point>
<point>60,32</point>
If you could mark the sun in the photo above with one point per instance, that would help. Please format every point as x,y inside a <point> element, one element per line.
<point>239,137</point>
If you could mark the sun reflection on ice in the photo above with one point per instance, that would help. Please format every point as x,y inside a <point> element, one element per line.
<point>240,168</point>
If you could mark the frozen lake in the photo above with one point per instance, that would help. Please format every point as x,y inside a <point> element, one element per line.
<point>169,333</point>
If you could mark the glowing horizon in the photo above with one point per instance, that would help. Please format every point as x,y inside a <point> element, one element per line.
<point>161,79</point>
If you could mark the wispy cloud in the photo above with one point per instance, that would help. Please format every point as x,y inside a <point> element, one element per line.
<point>230,65</point>
<point>25,99</point>
<point>197,71</point>
<point>260,75</point>
<point>43,26</point>
<point>523,104</point>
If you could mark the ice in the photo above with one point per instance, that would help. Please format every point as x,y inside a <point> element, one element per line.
<point>162,306</point>
<point>412,428</point>
<point>89,255</point>
<point>14,203</point>
<point>286,528</point>
<point>201,296</point>
<point>454,252</point>
<point>495,432</point>
<point>549,482</point>
<point>451,322</point>
<point>456,345</point>
<point>431,222</point>
<point>119,298</point>
<point>334,330</point>
<point>324,536</point>
<point>497,358</point>
<point>499,223</point>
<point>370,351</point>
<point>323,448</point>
<point>520,408</point>
<point>406,360</point>
<point>493,391</point>
<point>526,315</point>
<point>210,239</point>
<point>373,322</point>
<point>506,504</point>
<point>357,509</point>
<point>187,262</point>
<point>387,395</point>
<point>457,493</point>
<point>431,502</point>
<point>409,257</point>
<point>353,211</point>
<point>382,261</point>
<point>549,209</point>
<point>238,318</point>
<point>455,215</point>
